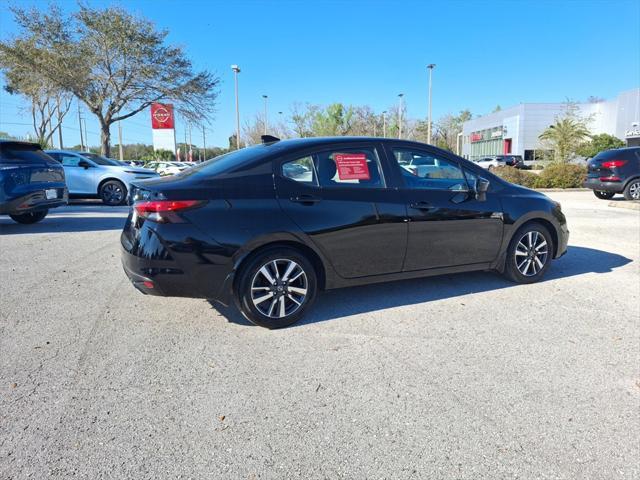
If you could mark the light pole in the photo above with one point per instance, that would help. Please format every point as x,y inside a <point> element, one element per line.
<point>236,71</point>
<point>430,67</point>
<point>400,95</point>
<point>266,98</point>
<point>384,123</point>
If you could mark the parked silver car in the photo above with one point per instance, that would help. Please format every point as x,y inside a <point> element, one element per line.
<point>89,176</point>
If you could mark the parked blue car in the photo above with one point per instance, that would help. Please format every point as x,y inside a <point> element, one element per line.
<point>30,182</point>
<point>93,176</point>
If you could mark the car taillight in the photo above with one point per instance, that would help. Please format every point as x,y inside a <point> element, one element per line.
<point>165,211</point>
<point>610,179</point>
<point>613,163</point>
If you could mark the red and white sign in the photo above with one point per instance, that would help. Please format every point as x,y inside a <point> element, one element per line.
<point>162,116</point>
<point>352,166</point>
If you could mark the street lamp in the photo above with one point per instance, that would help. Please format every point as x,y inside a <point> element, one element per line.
<point>400,95</point>
<point>265,113</point>
<point>236,71</point>
<point>430,67</point>
<point>384,123</point>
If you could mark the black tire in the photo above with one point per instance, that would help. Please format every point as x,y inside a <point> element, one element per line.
<point>603,195</point>
<point>295,305</point>
<point>113,193</point>
<point>632,190</point>
<point>29,218</point>
<point>528,269</point>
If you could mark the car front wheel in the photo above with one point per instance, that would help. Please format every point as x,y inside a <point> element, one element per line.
<point>276,288</point>
<point>113,193</point>
<point>28,218</point>
<point>529,254</point>
<point>603,195</point>
<point>632,191</point>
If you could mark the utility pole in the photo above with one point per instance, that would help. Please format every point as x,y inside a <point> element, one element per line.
<point>430,67</point>
<point>190,148</point>
<point>59,124</point>
<point>80,125</point>
<point>204,145</point>
<point>266,123</point>
<point>400,95</point>
<point>384,123</point>
<point>236,71</point>
<point>120,141</point>
<point>86,136</point>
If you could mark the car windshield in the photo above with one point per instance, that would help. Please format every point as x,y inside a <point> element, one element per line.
<point>101,160</point>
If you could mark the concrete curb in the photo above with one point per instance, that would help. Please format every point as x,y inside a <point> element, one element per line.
<point>563,189</point>
<point>628,204</point>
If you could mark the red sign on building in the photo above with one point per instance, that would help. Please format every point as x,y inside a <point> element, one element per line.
<point>162,116</point>
<point>352,166</point>
<point>476,137</point>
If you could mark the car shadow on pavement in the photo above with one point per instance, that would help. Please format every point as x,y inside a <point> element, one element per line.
<point>344,302</point>
<point>76,217</point>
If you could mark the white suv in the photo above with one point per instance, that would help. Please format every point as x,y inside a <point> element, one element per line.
<point>89,175</point>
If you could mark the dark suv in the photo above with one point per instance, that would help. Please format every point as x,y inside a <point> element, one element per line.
<point>615,171</point>
<point>271,225</point>
<point>31,182</point>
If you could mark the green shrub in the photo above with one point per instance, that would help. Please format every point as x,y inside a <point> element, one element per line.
<point>517,176</point>
<point>562,175</point>
<point>556,175</point>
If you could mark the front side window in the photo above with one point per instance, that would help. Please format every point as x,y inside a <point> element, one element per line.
<point>428,171</point>
<point>70,160</point>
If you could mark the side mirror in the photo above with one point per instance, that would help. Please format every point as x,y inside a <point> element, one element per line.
<point>482,185</point>
<point>84,164</point>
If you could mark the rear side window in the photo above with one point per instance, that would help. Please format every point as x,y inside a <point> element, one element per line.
<point>17,153</point>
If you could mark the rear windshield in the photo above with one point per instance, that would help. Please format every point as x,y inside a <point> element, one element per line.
<point>17,153</point>
<point>230,162</point>
<point>628,153</point>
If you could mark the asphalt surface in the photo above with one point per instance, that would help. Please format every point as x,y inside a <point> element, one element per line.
<point>463,376</point>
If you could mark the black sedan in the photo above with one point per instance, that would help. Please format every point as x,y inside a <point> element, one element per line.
<point>31,182</point>
<point>251,227</point>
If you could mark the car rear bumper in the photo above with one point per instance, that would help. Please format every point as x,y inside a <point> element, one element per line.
<point>175,261</point>
<point>34,201</point>
<point>596,184</point>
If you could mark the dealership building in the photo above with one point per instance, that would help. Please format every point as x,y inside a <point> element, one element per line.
<point>516,129</point>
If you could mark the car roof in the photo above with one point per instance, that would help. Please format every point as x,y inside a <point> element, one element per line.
<point>9,142</point>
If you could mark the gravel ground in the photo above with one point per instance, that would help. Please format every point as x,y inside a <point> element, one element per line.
<point>463,376</point>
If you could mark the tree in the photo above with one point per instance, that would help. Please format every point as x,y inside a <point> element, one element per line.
<point>599,143</point>
<point>48,104</point>
<point>497,109</point>
<point>117,64</point>
<point>447,129</point>
<point>564,137</point>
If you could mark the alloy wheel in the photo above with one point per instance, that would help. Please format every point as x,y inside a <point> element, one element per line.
<point>531,253</point>
<point>634,190</point>
<point>279,288</point>
<point>112,194</point>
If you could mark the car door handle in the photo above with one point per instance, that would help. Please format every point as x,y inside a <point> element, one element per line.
<point>305,199</point>
<point>421,205</point>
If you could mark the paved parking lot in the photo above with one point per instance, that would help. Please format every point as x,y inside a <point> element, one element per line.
<point>464,376</point>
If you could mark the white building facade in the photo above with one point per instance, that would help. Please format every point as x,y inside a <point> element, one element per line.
<point>516,129</point>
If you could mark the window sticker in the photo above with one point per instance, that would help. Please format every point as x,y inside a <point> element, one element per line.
<point>352,166</point>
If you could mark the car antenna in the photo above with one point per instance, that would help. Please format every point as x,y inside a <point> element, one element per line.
<point>269,139</point>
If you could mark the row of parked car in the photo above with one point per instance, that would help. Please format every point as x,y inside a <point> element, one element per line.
<point>32,180</point>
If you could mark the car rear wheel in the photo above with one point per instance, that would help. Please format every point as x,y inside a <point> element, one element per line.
<point>113,193</point>
<point>632,190</point>
<point>28,218</point>
<point>276,288</point>
<point>603,195</point>
<point>529,254</point>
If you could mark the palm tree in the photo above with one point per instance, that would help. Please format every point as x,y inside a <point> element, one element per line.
<point>564,137</point>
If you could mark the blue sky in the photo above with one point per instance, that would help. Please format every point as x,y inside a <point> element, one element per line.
<point>366,52</point>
